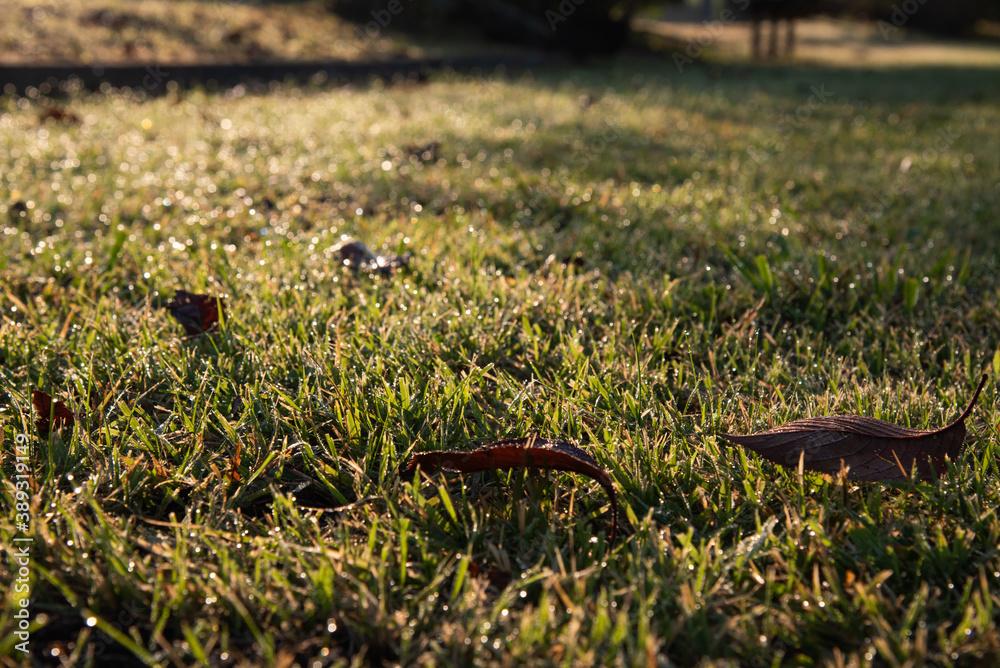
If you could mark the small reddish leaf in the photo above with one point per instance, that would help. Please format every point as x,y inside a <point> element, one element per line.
<point>358,257</point>
<point>518,453</point>
<point>871,450</point>
<point>196,313</point>
<point>50,413</point>
<point>59,115</point>
<point>499,579</point>
<point>234,464</point>
<point>494,576</point>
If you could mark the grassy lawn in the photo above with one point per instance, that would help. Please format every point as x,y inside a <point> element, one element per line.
<point>626,257</point>
<point>114,32</point>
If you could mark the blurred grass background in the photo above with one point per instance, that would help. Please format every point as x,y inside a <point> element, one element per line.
<point>622,255</point>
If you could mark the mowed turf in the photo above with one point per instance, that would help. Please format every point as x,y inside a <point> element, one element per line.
<point>164,33</point>
<point>626,257</point>
<point>171,32</point>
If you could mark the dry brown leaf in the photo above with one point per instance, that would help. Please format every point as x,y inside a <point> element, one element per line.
<point>517,453</point>
<point>50,413</point>
<point>358,257</point>
<point>196,313</point>
<point>870,449</point>
<point>59,115</point>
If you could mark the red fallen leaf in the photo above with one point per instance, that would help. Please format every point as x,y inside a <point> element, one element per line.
<point>196,313</point>
<point>871,450</point>
<point>358,257</point>
<point>500,579</point>
<point>50,413</point>
<point>59,115</point>
<point>234,464</point>
<point>496,577</point>
<point>517,453</point>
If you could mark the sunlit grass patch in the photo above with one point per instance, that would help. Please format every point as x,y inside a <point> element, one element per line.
<point>624,257</point>
<point>173,32</point>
